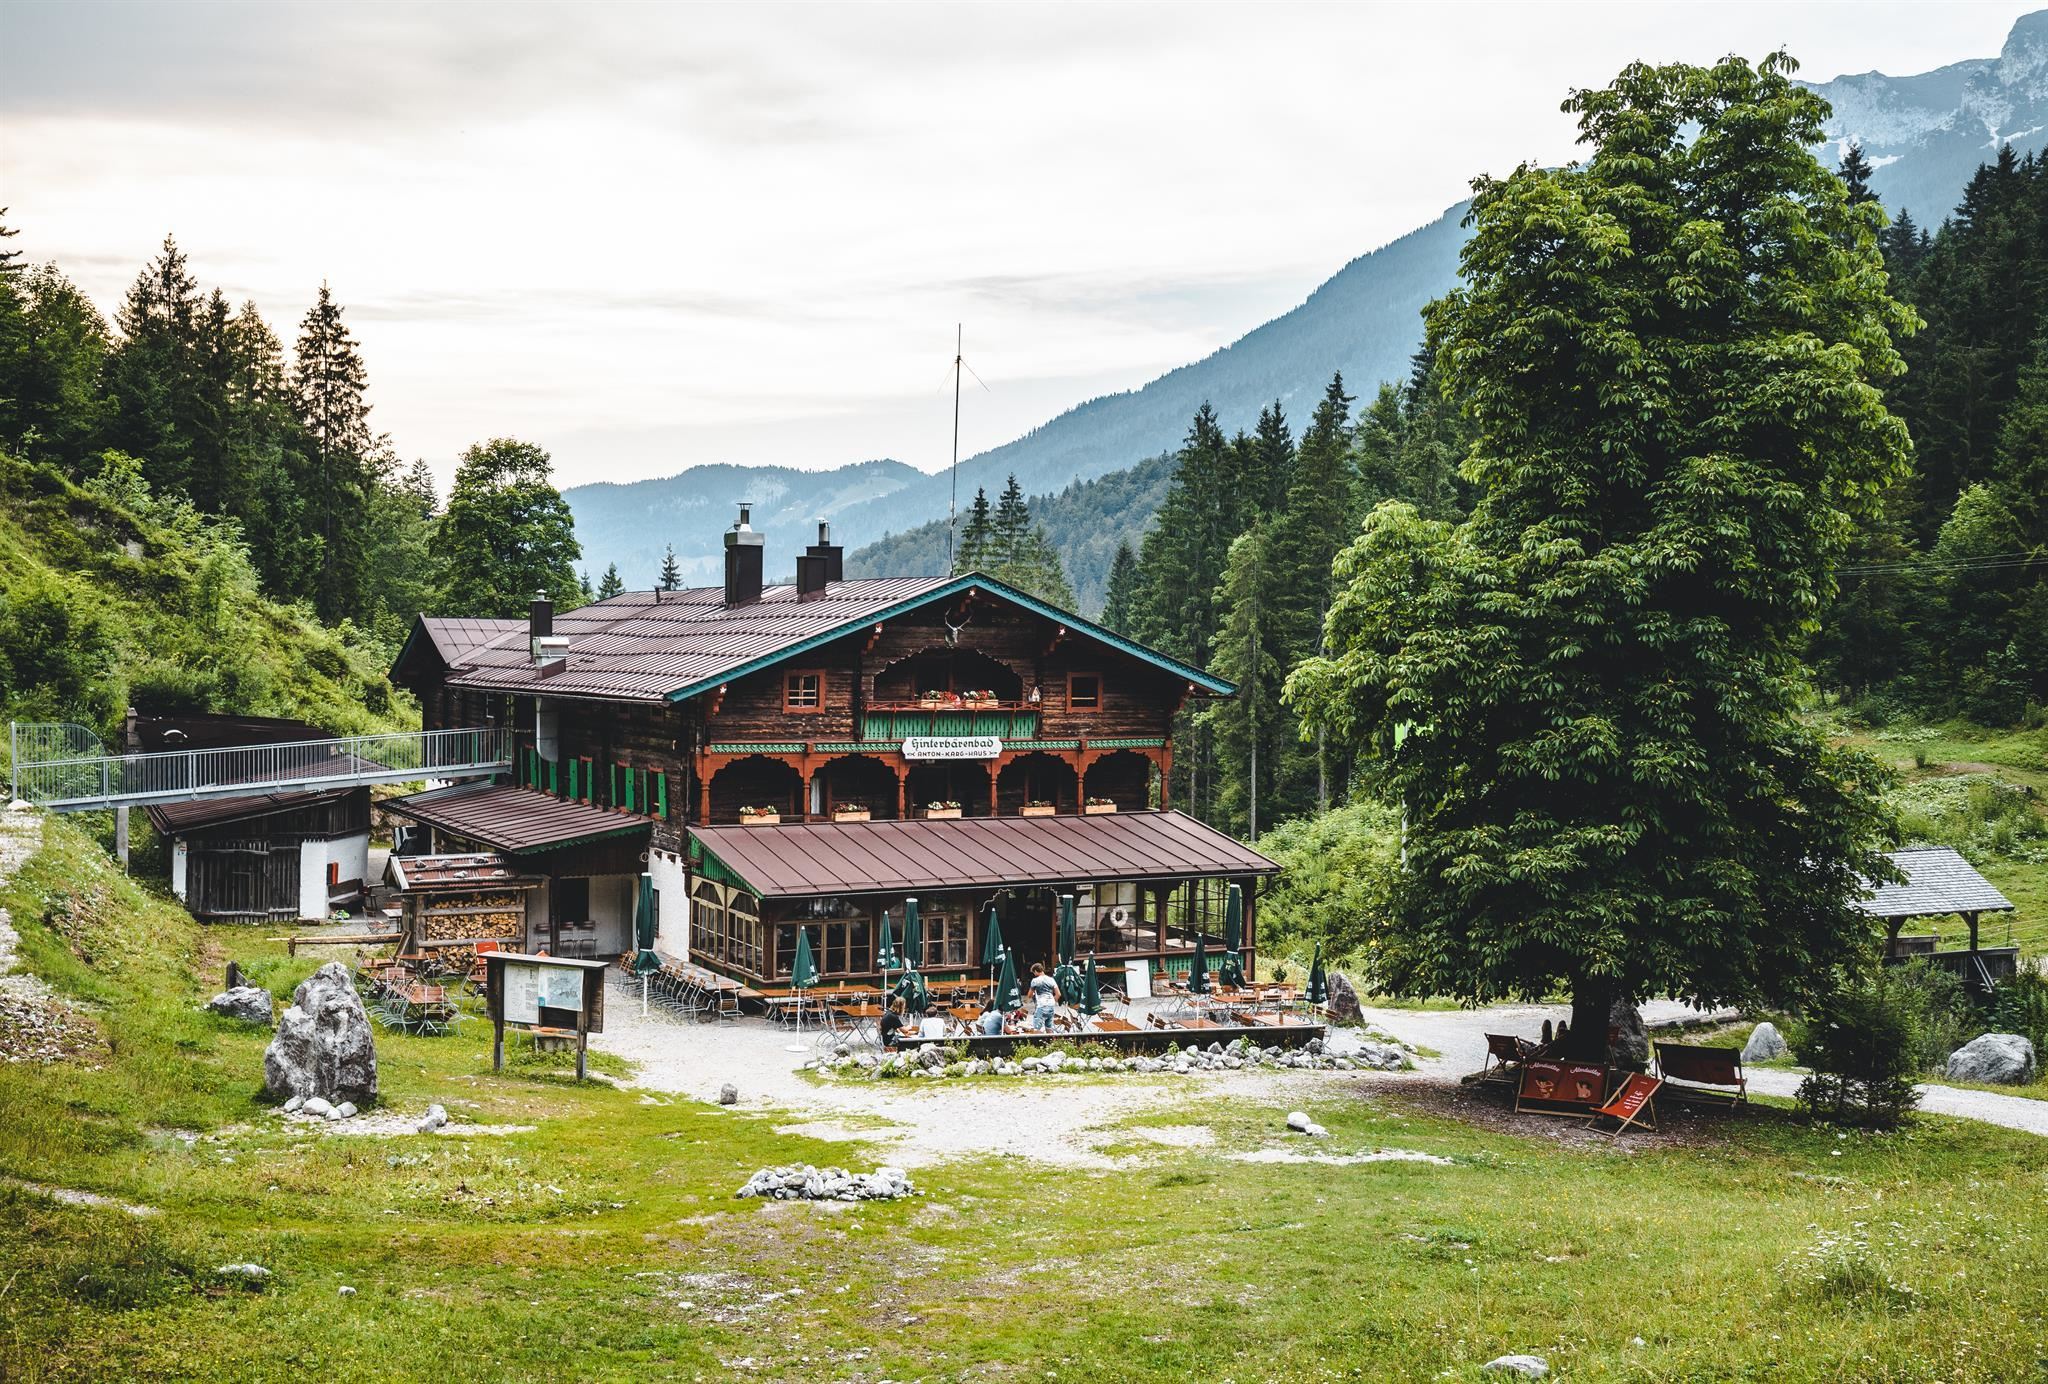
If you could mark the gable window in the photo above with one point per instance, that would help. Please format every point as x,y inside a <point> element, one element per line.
<point>1084,691</point>
<point>804,690</point>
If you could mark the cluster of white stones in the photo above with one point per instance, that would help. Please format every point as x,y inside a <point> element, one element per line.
<point>934,1062</point>
<point>806,1183</point>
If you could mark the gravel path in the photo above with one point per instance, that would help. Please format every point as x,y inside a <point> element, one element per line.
<point>1067,1120</point>
<point>1055,1119</point>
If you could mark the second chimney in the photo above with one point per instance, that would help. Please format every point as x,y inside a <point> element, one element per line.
<point>742,561</point>
<point>819,565</point>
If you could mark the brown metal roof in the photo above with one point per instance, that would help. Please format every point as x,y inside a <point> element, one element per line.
<point>974,852</point>
<point>636,648</point>
<point>172,819</point>
<point>468,871</point>
<point>454,636</point>
<point>514,819</point>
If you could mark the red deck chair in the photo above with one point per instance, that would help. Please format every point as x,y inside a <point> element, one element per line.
<point>1636,1100</point>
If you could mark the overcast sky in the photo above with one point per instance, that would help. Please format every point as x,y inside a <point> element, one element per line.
<point>652,236</point>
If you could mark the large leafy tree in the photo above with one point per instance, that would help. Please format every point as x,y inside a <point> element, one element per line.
<point>1583,697</point>
<point>507,533</point>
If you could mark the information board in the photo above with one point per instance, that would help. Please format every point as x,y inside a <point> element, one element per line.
<point>522,993</point>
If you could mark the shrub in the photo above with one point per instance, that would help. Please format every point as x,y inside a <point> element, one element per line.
<point>1939,1013</point>
<point>1860,1045</point>
<point>2020,1005</point>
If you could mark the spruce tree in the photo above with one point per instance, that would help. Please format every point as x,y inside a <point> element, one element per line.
<point>671,576</point>
<point>1311,529</point>
<point>1855,171</point>
<point>152,376</point>
<point>7,256</point>
<point>976,552</point>
<point>611,584</point>
<point>328,387</point>
<point>1248,727</point>
<point>1120,599</point>
<point>1008,535</point>
<point>1275,445</point>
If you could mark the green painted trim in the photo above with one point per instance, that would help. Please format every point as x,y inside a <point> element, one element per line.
<point>944,592</point>
<point>1129,743</point>
<point>661,781</point>
<point>1043,744</point>
<point>708,862</point>
<point>747,747</point>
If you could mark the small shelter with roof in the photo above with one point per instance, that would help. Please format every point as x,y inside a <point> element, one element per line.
<point>1939,883</point>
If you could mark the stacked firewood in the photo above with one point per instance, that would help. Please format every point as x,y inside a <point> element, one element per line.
<point>507,918</point>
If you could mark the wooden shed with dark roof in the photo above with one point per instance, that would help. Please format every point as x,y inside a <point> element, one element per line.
<point>1939,883</point>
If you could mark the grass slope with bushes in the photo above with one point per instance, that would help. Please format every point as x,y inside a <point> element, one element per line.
<point>604,1242</point>
<point>110,597</point>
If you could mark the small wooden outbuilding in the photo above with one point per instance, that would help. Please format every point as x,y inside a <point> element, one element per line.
<point>1939,883</point>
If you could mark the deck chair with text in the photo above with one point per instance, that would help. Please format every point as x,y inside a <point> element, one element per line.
<point>1634,1103</point>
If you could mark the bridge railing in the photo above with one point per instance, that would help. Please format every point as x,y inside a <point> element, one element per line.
<point>87,781</point>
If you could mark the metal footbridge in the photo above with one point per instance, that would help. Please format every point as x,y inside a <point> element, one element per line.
<point>63,767</point>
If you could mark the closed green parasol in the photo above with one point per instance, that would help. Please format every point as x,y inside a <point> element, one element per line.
<point>1230,971</point>
<point>1198,968</point>
<point>803,973</point>
<point>992,947</point>
<point>1009,994</point>
<point>1069,943</point>
<point>1318,983</point>
<point>887,958</point>
<point>913,933</point>
<point>645,960</point>
<point>1091,991</point>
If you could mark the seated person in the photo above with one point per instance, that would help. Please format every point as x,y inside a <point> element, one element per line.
<point>892,1023</point>
<point>990,1023</point>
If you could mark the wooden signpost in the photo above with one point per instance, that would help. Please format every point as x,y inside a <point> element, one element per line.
<point>549,995</point>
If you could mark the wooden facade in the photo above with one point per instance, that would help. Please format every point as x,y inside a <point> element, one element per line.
<point>1063,719</point>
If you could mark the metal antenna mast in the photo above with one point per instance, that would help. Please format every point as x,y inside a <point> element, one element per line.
<point>960,367</point>
<point>953,502</point>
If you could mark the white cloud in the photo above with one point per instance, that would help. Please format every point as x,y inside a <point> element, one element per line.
<point>649,236</point>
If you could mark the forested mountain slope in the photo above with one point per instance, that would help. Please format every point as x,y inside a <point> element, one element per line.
<point>111,596</point>
<point>633,524</point>
<point>1365,320</point>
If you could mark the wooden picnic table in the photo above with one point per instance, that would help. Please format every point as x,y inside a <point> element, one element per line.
<point>1196,1023</point>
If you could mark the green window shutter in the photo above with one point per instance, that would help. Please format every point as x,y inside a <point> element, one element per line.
<point>554,776</point>
<point>573,795</point>
<point>631,796</point>
<point>661,790</point>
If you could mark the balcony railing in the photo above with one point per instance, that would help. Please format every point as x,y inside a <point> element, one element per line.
<point>72,782</point>
<point>900,720</point>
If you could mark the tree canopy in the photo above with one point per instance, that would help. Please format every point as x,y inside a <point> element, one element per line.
<point>1584,695</point>
<point>507,534</point>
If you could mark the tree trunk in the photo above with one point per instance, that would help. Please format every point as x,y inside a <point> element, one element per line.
<point>1592,1004</point>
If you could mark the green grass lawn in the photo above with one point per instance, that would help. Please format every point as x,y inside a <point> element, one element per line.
<point>606,1244</point>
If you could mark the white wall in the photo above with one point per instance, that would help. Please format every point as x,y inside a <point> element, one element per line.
<point>672,882</point>
<point>351,853</point>
<point>178,867</point>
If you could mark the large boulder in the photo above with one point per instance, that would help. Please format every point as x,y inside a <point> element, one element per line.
<point>249,1003</point>
<point>1765,1043</point>
<point>324,1045</point>
<point>1344,1005</point>
<point>1631,1047</point>
<point>2000,1059</point>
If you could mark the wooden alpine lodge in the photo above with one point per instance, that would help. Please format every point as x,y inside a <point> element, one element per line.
<point>813,754</point>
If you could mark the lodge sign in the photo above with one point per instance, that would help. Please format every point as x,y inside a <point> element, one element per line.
<point>952,746</point>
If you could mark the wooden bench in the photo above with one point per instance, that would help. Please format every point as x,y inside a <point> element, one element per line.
<point>1713,1075</point>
